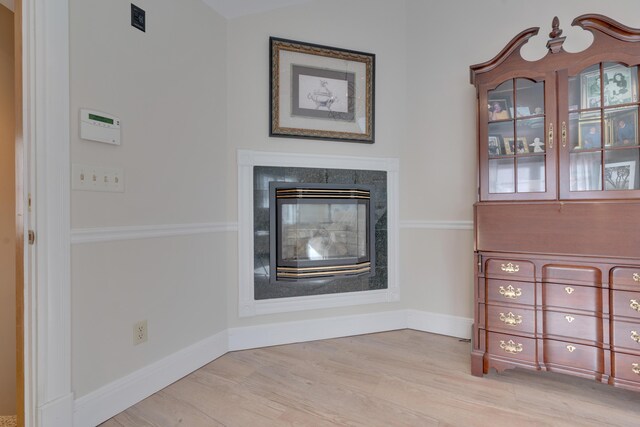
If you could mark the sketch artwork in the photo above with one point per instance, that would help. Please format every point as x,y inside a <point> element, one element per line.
<point>324,94</point>
<point>323,97</point>
<point>617,177</point>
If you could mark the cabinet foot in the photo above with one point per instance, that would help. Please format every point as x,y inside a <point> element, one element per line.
<point>477,364</point>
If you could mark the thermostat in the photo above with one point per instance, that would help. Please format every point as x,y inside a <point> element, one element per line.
<point>100,127</point>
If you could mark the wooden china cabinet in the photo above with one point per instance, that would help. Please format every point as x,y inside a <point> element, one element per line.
<point>557,222</point>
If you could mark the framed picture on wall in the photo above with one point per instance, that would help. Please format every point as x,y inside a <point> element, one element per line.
<point>321,92</point>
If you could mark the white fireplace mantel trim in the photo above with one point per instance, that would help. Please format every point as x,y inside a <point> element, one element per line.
<point>247,159</point>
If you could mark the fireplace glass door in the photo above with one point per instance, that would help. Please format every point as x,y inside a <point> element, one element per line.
<point>321,232</point>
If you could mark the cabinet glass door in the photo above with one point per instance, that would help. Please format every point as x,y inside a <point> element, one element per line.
<point>515,149</point>
<point>600,152</point>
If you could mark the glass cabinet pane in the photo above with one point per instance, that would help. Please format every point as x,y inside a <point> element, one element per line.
<point>585,91</point>
<point>501,176</point>
<point>529,98</point>
<point>500,102</point>
<point>531,174</point>
<point>622,170</point>
<point>603,128</point>
<point>585,130</point>
<point>499,133</point>
<point>620,84</point>
<point>516,139</point>
<point>574,93</point>
<point>621,126</point>
<point>585,171</point>
<point>530,134</point>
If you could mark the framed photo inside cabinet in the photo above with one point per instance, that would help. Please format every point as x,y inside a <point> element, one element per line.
<point>499,109</point>
<point>620,176</point>
<point>621,127</point>
<point>589,134</point>
<point>321,92</point>
<point>520,146</point>
<point>495,143</point>
<point>620,86</point>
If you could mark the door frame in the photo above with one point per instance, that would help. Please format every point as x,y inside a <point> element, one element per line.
<point>46,175</point>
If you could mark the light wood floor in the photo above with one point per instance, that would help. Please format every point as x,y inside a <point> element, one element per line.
<point>400,378</point>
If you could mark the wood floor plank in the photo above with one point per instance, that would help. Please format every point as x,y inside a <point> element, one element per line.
<point>399,378</point>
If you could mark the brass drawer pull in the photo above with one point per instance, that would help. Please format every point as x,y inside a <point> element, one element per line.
<point>569,318</point>
<point>510,268</point>
<point>633,303</point>
<point>510,292</point>
<point>550,136</point>
<point>569,290</point>
<point>635,336</point>
<point>571,348</point>
<point>636,277</point>
<point>511,319</point>
<point>511,347</point>
<point>635,367</point>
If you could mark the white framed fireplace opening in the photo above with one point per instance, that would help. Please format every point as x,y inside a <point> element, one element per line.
<point>247,160</point>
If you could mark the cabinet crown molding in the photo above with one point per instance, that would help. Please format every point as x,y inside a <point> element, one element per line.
<point>602,28</point>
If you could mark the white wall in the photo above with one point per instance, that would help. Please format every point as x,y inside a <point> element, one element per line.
<point>370,26</point>
<point>438,157</point>
<point>168,86</point>
<point>425,113</point>
<point>7,218</point>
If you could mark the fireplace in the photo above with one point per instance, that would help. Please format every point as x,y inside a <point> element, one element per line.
<point>320,231</point>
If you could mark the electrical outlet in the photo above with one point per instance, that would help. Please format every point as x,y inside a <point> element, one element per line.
<point>140,332</point>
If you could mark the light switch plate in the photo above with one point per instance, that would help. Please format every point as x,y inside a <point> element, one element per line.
<point>97,178</point>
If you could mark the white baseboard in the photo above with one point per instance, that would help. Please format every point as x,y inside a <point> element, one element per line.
<point>315,329</point>
<point>437,323</point>
<point>104,403</point>
<point>56,413</point>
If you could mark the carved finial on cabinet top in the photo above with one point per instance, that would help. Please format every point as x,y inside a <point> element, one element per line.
<point>555,44</point>
<point>555,28</point>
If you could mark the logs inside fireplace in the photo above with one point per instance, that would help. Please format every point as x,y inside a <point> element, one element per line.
<point>320,231</point>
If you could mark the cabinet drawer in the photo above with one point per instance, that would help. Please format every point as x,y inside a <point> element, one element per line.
<point>626,367</point>
<point>571,274</point>
<point>567,325</point>
<point>507,291</point>
<point>511,346</point>
<point>587,298</point>
<point>625,277</point>
<point>511,319</point>
<point>625,303</point>
<point>510,268</point>
<point>573,355</point>
<point>626,335</point>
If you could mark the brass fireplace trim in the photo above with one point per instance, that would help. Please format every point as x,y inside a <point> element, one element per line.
<point>334,270</point>
<point>302,193</point>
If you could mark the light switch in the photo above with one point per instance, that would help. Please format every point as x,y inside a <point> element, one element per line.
<point>97,178</point>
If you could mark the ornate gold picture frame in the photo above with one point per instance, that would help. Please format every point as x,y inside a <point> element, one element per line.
<point>321,92</point>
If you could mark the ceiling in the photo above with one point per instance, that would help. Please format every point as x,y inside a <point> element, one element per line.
<point>9,4</point>
<point>234,8</point>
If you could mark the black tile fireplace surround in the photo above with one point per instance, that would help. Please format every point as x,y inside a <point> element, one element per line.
<point>366,255</point>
